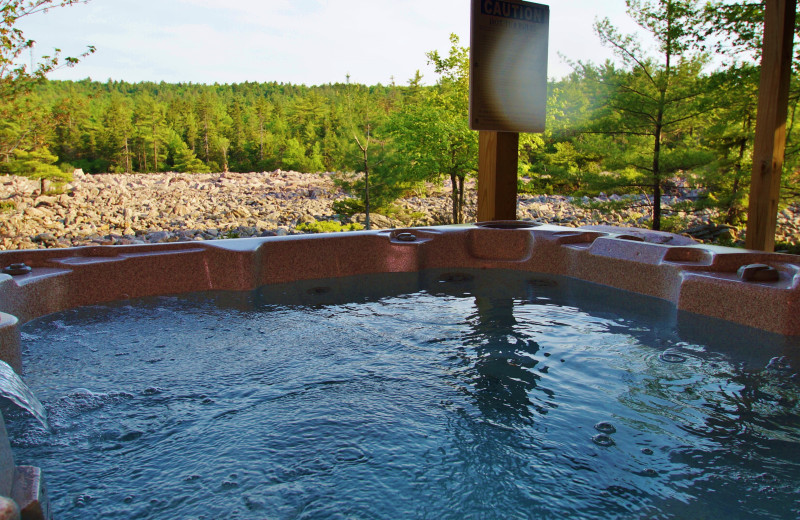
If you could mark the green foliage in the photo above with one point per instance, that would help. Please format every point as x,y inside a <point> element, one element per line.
<point>786,247</point>
<point>36,164</point>
<point>327,226</point>
<point>656,102</point>
<point>431,129</point>
<point>686,206</point>
<point>349,206</point>
<point>184,159</point>
<point>539,185</point>
<point>607,206</point>
<point>674,223</point>
<point>24,123</point>
<point>7,206</point>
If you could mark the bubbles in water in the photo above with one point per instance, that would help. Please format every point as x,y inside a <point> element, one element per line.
<point>671,356</point>
<point>81,401</point>
<point>605,427</point>
<point>83,500</point>
<point>350,454</point>
<point>601,439</point>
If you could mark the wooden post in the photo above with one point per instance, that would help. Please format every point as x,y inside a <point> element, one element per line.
<point>770,140</point>
<point>497,175</point>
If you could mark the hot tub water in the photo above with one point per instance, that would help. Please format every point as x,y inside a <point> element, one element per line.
<point>441,394</point>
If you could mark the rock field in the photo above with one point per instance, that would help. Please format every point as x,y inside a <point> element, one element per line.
<point>167,207</point>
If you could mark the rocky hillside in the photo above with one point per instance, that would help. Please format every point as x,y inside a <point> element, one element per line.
<point>127,209</point>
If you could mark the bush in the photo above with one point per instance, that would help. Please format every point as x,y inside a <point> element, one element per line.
<point>787,247</point>
<point>349,206</point>
<point>327,226</point>
<point>535,186</point>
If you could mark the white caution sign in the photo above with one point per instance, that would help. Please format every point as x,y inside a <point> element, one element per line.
<point>508,65</point>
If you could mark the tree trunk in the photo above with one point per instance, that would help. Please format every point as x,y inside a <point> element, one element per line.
<point>366,188</point>
<point>660,124</point>
<point>205,139</point>
<point>460,199</point>
<point>656,203</point>
<point>127,157</point>
<point>657,164</point>
<point>260,140</point>
<point>733,208</point>
<point>454,196</point>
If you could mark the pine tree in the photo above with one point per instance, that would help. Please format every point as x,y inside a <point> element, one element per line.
<point>661,94</point>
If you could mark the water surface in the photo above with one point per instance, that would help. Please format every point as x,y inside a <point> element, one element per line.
<point>469,394</point>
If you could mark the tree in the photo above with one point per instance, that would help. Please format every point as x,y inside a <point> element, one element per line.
<point>431,128</point>
<point>730,131</point>
<point>263,113</point>
<point>36,164</point>
<point>21,134</point>
<point>662,94</point>
<point>223,144</point>
<point>735,31</point>
<point>363,136</point>
<point>116,138</point>
<point>184,159</point>
<point>151,133</point>
<point>207,109</point>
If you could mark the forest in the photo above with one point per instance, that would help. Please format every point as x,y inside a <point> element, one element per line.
<point>671,115</point>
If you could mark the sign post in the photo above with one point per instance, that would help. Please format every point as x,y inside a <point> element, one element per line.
<point>508,94</point>
<point>497,175</point>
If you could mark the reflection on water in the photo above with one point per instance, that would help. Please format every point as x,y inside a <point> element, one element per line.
<point>503,363</point>
<point>715,416</point>
<point>468,394</point>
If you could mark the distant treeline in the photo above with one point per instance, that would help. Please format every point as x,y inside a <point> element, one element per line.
<point>154,127</point>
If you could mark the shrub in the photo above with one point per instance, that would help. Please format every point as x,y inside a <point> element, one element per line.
<point>327,226</point>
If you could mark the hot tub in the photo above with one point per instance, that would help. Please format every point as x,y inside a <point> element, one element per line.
<point>751,289</point>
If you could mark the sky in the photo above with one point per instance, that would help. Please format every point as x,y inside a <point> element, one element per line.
<point>309,42</point>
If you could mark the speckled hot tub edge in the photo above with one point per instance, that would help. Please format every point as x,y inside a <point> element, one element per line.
<point>696,278</point>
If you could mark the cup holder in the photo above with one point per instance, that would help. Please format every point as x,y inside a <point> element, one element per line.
<point>507,224</point>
